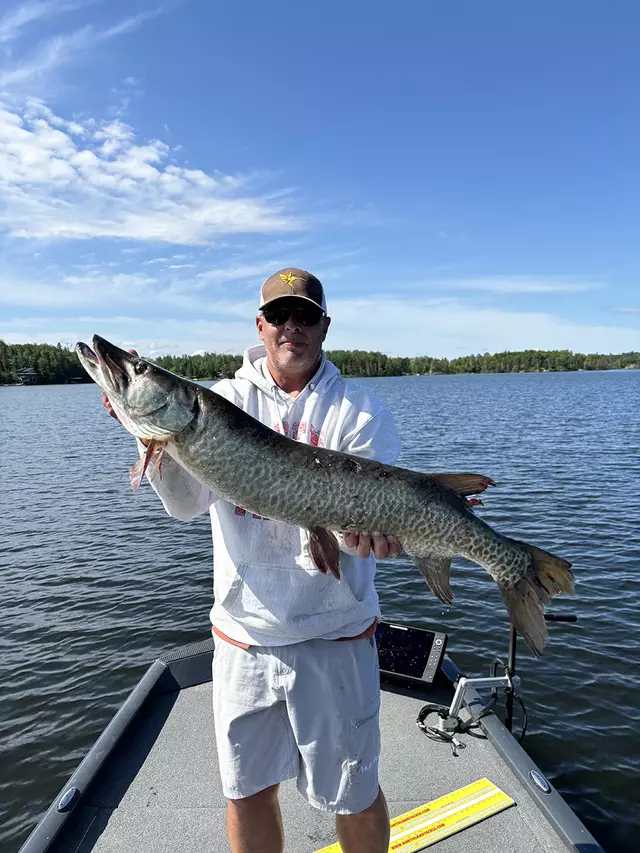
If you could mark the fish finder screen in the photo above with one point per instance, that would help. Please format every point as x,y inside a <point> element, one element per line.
<point>403,650</point>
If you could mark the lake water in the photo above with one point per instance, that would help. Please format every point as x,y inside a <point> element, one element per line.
<point>96,581</point>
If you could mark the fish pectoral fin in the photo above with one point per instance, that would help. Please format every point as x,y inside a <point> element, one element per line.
<point>435,569</point>
<point>464,484</point>
<point>325,551</point>
<point>156,465</point>
<point>137,471</point>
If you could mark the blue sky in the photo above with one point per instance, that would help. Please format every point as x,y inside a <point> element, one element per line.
<point>462,176</point>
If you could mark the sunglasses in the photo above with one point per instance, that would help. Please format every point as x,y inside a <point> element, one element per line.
<point>306,315</point>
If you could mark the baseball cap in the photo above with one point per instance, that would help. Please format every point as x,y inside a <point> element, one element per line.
<point>292,282</point>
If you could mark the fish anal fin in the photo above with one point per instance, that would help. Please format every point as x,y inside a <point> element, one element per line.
<point>464,484</point>
<point>435,570</point>
<point>325,551</point>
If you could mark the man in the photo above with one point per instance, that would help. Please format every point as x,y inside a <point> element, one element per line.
<point>295,672</point>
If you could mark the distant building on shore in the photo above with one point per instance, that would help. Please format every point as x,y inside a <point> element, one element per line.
<point>28,376</point>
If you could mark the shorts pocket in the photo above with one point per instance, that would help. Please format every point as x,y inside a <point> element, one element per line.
<point>364,744</point>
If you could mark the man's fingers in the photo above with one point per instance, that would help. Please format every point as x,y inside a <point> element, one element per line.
<point>350,539</point>
<point>363,548</point>
<point>107,404</point>
<point>395,546</point>
<point>380,546</point>
<point>383,545</point>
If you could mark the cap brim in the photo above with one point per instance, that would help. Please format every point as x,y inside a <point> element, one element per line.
<point>291,296</point>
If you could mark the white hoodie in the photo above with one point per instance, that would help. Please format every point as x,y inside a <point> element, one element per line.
<point>267,589</point>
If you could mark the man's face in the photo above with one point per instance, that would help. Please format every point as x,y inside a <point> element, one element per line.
<point>292,347</point>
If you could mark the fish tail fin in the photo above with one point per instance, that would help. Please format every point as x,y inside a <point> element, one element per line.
<point>552,572</point>
<point>526,600</point>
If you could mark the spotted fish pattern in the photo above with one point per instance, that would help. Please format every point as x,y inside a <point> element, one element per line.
<point>321,490</point>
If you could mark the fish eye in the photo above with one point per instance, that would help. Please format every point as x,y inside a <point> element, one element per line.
<point>141,367</point>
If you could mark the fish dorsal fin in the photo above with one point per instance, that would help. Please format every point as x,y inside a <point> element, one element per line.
<point>325,550</point>
<point>435,570</point>
<point>464,484</point>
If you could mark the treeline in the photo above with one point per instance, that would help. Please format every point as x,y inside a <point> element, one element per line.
<point>52,364</point>
<point>361,363</point>
<point>207,366</point>
<point>60,364</point>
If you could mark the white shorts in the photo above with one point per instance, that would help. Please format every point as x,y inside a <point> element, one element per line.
<point>308,711</point>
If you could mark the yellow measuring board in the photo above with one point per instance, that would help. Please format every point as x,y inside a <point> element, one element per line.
<point>440,818</point>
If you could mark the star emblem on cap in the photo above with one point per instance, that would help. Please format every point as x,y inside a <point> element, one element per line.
<point>289,278</point>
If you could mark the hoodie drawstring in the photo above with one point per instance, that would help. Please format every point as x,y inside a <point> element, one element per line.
<point>276,397</point>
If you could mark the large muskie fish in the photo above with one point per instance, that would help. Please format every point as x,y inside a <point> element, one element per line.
<point>321,490</point>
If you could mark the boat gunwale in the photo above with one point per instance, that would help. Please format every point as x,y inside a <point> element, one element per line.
<point>566,824</point>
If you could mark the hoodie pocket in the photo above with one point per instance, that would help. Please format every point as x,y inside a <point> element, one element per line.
<point>227,585</point>
<point>290,602</point>
<point>269,582</point>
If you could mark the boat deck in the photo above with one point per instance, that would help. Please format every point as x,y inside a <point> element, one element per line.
<point>160,790</point>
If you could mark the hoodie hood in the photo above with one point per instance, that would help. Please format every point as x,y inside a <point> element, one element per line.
<point>254,369</point>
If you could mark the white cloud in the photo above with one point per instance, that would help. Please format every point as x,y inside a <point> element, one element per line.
<point>238,272</point>
<point>516,284</point>
<point>78,291</point>
<point>12,24</point>
<point>627,309</point>
<point>161,337</point>
<point>439,327</point>
<point>63,180</point>
<point>60,49</point>
<point>450,328</point>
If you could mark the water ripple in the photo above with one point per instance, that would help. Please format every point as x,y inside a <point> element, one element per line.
<point>98,581</point>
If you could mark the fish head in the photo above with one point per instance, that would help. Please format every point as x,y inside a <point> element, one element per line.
<point>150,402</point>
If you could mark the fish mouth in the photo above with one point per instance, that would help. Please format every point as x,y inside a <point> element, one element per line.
<point>87,353</point>
<point>106,364</point>
<point>89,360</point>
<point>113,362</point>
<point>150,402</point>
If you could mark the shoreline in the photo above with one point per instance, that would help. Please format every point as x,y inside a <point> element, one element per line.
<point>373,376</point>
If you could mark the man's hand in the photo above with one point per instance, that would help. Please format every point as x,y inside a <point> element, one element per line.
<point>383,546</point>
<point>105,399</point>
